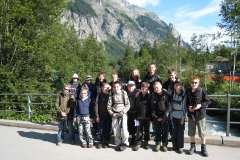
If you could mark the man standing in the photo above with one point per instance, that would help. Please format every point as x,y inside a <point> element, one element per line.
<point>197,102</point>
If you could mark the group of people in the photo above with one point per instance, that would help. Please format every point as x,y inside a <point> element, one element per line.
<point>129,110</point>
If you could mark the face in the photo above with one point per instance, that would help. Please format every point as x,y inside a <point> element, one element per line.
<point>83,94</point>
<point>114,78</point>
<point>172,76</point>
<point>105,89</point>
<point>144,90</point>
<point>194,83</point>
<point>131,88</point>
<point>66,89</point>
<point>134,73</point>
<point>152,68</point>
<point>178,86</point>
<point>101,78</point>
<point>117,88</point>
<point>89,81</point>
<point>74,80</point>
<point>157,88</point>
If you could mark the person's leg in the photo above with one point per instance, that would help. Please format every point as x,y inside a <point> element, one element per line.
<point>60,135</point>
<point>131,128</point>
<point>202,134</point>
<point>175,134</point>
<point>108,127</point>
<point>157,131</point>
<point>191,134</point>
<point>71,131</point>
<point>146,126</point>
<point>81,131</point>
<point>116,131</point>
<point>124,129</point>
<point>165,129</point>
<point>139,134</point>
<point>101,127</point>
<point>87,128</point>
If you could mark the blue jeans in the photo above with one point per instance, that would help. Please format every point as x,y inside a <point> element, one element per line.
<point>104,127</point>
<point>60,135</point>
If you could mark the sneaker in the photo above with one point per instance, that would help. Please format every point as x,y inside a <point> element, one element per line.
<point>122,147</point>
<point>90,145</point>
<point>59,143</point>
<point>99,145</point>
<point>84,145</point>
<point>157,147</point>
<point>164,148</point>
<point>73,142</point>
<point>146,145</point>
<point>180,150</point>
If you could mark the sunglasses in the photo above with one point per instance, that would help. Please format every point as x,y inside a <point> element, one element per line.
<point>194,82</point>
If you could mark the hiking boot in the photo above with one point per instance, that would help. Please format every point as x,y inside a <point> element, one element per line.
<point>173,149</point>
<point>164,148</point>
<point>192,149</point>
<point>157,147</point>
<point>118,148</point>
<point>106,144</point>
<point>90,145</point>
<point>84,145</point>
<point>136,148</point>
<point>146,145</point>
<point>180,150</point>
<point>122,147</point>
<point>73,142</point>
<point>59,143</point>
<point>204,150</point>
<point>99,145</point>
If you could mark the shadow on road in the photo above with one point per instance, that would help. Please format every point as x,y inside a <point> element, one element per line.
<point>41,136</point>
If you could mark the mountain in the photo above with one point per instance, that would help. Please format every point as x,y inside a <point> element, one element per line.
<point>115,23</point>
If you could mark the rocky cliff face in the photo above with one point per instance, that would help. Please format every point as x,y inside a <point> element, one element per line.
<point>118,21</point>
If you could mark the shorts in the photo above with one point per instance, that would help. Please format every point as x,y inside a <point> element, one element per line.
<point>201,125</point>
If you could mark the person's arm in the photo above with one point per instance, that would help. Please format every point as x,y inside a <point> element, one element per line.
<point>109,106</point>
<point>126,103</point>
<point>96,109</point>
<point>75,112</point>
<point>152,108</point>
<point>205,99</point>
<point>57,104</point>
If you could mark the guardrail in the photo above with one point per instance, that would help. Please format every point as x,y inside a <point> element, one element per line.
<point>29,103</point>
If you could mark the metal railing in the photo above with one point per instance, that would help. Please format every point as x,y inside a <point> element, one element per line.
<point>29,103</point>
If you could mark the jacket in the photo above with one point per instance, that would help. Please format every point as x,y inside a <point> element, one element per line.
<point>169,85</point>
<point>97,88</point>
<point>101,105</point>
<point>82,107</point>
<point>64,103</point>
<point>178,104</point>
<point>118,102</point>
<point>194,98</point>
<point>143,107</point>
<point>75,88</point>
<point>151,79</point>
<point>160,105</point>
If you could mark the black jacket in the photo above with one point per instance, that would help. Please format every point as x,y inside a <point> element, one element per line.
<point>151,79</point>
<point>97,89</point>
<point>140,112</point>
<point>169,85</point>
<point>194,98</point>
<point>160,105</point>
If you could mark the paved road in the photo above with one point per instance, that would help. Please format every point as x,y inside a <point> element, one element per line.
<point>21,143</point>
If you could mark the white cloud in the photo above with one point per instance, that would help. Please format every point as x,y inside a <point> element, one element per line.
<point>188,20</point>
<point>143,3</point>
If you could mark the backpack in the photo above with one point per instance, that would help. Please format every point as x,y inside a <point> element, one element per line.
<point>160,104</point>
<point>179,102</point>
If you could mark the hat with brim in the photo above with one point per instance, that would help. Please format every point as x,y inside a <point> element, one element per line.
<point>88,77</point>
<point>75,76</point>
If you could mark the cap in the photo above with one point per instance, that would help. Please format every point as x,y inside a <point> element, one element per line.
<point>178,81</point>
<point>89,77</point>
<point>130,83</point>
<point>75,76</point>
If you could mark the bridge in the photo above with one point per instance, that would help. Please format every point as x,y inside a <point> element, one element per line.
<point>28,140</point>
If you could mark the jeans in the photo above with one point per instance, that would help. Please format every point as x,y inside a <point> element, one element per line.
<point>104,127</point>
<point>60,135</point>
<point>161,130</point>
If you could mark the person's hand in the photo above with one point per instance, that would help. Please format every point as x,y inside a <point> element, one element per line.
<point>137,94</point>
<point>190,108</point>
<point>91,120</point>
<point>97,119</point>
<point>171,119</point>
<point>182,121</point>
<point>150,121</point>
<point>63,114</point>
<point>74,120</point>
<point>134,120</point>
<point>159,119</point>
<point>115,116</point>
<point>120,114</point>
<point>197,107</point>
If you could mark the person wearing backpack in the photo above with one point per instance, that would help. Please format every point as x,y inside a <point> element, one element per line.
<point>197,102</point>
<point>102,117</point>
<point>143,116</point>
<point>160,109</point>
<point>82,118</point>
<point>118,106</point>
<point>178,115</point>
<point>64,105</point>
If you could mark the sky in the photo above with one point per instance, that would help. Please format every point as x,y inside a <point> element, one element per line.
<point>188,16</point>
